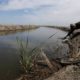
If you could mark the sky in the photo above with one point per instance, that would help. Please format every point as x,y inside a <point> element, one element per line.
<point>40,12</point>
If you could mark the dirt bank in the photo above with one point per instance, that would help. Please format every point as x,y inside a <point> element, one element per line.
<point>71,70</point>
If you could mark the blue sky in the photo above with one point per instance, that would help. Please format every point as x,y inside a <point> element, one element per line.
<point>49,12</point>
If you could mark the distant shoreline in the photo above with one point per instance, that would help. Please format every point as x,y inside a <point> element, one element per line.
<point>16,27</point>
<point>4,28</point>
<point>60,28</point>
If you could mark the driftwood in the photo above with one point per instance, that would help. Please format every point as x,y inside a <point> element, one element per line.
<point>52,64</point>
<point>69,62</point>
<point>47,60</point>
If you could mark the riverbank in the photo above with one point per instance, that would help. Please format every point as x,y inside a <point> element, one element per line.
<point>69,66</point>
<point>7,32</point>
<point>63,28</point>
<point>16,27</point>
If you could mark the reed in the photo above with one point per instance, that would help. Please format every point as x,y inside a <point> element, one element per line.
<point>27,55</point>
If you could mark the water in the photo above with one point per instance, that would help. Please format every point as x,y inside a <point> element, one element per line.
<point>9,64</point>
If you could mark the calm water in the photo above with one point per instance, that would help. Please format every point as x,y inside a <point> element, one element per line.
<point>9,65</point>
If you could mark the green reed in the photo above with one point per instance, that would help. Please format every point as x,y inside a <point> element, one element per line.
<point>27,55</point>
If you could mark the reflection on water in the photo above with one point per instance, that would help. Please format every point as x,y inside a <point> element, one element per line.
<point>9,65</point>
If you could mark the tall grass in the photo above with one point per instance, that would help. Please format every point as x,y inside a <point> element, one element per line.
<point>27,55</point>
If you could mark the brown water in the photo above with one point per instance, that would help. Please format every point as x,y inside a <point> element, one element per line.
<point>9,57</point>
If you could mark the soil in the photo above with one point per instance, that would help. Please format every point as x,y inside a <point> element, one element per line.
<point>70,72</point>
<point>40,71</point>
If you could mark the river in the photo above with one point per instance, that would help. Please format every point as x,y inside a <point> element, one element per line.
<point>9,57</point>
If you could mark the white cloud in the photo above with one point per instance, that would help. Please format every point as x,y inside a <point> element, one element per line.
<point>21,4</point>
<point>61,12</point>
<point>66,12</point>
